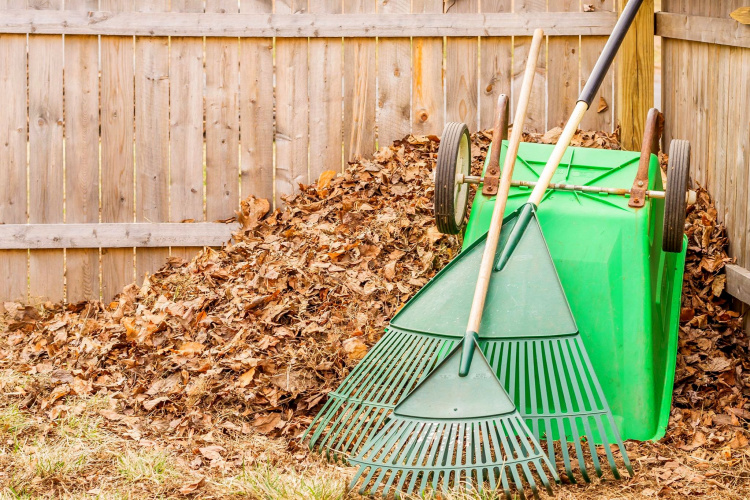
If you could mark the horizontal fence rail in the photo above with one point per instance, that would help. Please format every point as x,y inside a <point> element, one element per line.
<point>304,25</point>
<point>117,235</point>
<point>122,118</point>
<point>716,30</point>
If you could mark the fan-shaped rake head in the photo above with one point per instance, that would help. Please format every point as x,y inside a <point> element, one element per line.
<point>412,455</point>
<point>454,432</point>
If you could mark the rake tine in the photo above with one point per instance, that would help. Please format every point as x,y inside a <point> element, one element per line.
<point>395,371</point>
<point>367,480</point>
<point>427,360</point>
<point>545,481</point>
<point>352,415</point>
<point>566,382</point>
<point>517,481</point>
<point>607,450</point>
<point>549,370</point>
<point>594,453</point>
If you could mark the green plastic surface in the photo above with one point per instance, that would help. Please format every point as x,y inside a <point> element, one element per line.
<point>623,290</point>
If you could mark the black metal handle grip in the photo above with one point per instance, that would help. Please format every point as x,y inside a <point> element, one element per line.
<point>609,52</point>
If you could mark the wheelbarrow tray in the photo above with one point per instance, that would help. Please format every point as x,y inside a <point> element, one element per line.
<point>623,290</point>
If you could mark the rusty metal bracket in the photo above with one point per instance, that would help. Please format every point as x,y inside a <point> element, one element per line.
<point>499,134</point>
<point>651,138</point>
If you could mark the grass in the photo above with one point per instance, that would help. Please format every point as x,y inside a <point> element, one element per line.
<point>273,483</point>
<point>154,466</point>
<point>81,454</point>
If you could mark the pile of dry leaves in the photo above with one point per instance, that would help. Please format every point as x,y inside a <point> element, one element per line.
<point>261,329</point>
<point>712,383</point>
<point>255,334</point>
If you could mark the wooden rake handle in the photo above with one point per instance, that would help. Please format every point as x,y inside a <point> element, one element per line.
<point>496,224</point>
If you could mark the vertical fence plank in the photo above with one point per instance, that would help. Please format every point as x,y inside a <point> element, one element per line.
<point>743,147</point>
<point>326,126</point>
<point>46,268</point>
<point>428,110</point>
<point>117,115</point>
<point>591,47</point>
<point>13,263</point>
<point>359,88</point>
<point>732,186</point>
<point>461,71</point>
<point>495,56</point>
<point>635,76</point>
<point>151,136</point>
<point>256,109</point>
<point>291,107</point>
<point>536,115</point>
<point>394,80</point>
<point>81,110</point>
<point>222,120</point>
<point>718,147</point>
<point>186,127</point>
<point>563,66</point>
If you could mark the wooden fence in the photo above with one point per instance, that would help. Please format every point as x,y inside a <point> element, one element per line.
<point>138,115</point>
<point>706,99</point>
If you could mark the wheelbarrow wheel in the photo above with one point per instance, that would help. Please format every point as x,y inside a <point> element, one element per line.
<point>675,202</point>
<point>452,196</point>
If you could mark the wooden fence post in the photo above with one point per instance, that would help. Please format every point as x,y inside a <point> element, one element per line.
<point>635,76</point>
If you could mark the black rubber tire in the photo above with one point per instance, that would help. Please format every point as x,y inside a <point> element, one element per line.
<point>450,205</point>
<point>675,202</point>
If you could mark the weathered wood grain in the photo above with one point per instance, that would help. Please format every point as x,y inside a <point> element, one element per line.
<point>81,154</point>
<point>495,57</point>
<point>292,139</point>
<point>46,174</point>
<point>151,136</point>
<point>394,80</point>
<point>117,123</point>
<point>738,282</point>
<point>591,48</point>
<point>186,127</point>
<point>536,115</point>
<point>256,109</point>
<point>702,29</point>
<point>115,235</point>
<point>359,88</point>
<point>326,97</point>
<point>742,121</point>
<point>635,77</point>
<point>222,120</point>
<point>428,110</point>
<point>13,263</point>
<point>282,24</point>
<point>462,72</point>
<point>563,53</point>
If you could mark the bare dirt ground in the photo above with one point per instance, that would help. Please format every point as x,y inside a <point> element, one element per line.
<point>201,381</point>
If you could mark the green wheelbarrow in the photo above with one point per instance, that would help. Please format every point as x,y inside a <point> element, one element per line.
<point>616,237</point>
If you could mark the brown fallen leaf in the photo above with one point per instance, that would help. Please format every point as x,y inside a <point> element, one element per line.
<point>603,106</point>
<point>354,347</point>
<point>153,403</point>
<point>193,486</point>
<point>190,349</point>
<point>267,423</point>
<point>212,452</point>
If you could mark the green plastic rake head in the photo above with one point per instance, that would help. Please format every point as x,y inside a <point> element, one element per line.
<point>480,438</point>
<point>529,338</point>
